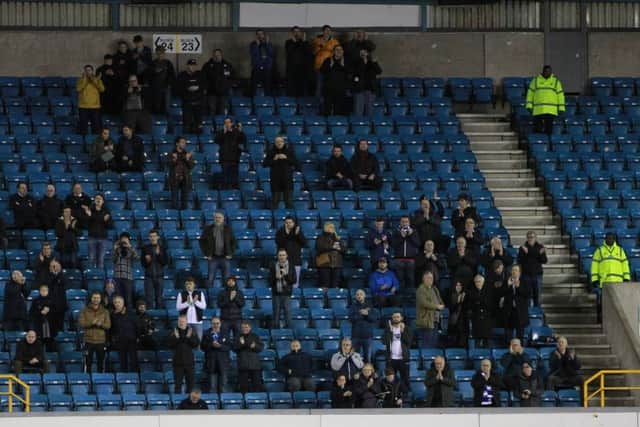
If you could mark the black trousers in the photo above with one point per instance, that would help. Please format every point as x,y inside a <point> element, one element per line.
<point>128,356</point>
<point>281,195</point>
<point>86,115</point>
<point>297,83</point>
<point>335,104</point>
<point>191,117</point>
<point>264,77</point>
<point>249,380</point>
<point>543,123</point>
<point>180,373</point>
<point>401,367</point>
<point>94,349</point>
<point>180,192</point>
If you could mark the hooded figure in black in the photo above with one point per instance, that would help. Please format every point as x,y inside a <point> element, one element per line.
<point>336,83</point>
<point>299,63</point>
<point>160,76</point>
<point>191,87</point>
<point>365,168</point>
<point>364,83</point>
<point>218,73</point>
<point>110,99</point>
<point>15,303</point>
<point>282,162</point>
<point>56,282</point>
<point>24,207</point>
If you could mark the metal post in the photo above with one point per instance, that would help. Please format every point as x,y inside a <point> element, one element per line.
<point>10,395</point>
<point>115,15</point>
<point>602,391</point>
<point>235,15</point>
<point>423,17</point>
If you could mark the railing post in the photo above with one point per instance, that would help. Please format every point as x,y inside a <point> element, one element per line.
<point>27,397</point>
<point>10,395</point>
<point>115,15</point>
<point>602,391</point>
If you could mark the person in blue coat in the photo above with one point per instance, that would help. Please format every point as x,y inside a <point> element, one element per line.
<point>262,60</point>
<point>384,285</point>
<point>364,318</point>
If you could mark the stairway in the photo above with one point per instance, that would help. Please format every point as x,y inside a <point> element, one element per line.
<point>569,307</point>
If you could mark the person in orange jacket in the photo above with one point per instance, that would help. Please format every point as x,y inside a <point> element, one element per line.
<point>322,48</point>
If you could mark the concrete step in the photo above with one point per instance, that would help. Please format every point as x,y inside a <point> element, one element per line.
<point>495,145</point>
<point>502,164</point>
<point>596,349</point>
<point>518,201</point>
<point>578,328</point>
<point>497,172</point>
<point>607,361</point>
<point>475,126</point>
<point>561,278</point>
<point>554,299</point>
<point>534,221</point>
<point>569,268</point>
<point>477,117</point>
<point>565,289</point>
<point>613,401</point>
<point>577,339</point>
<point>500,182</point>
<point>571,317</point>
<point>525,211</point>
<point>475,136</point>
<point>501,154</point>
<point>515,191</point>
<point>566,307</point>
<point>550,239</point>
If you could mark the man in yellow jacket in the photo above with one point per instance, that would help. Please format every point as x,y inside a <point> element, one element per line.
<point>322,47</point>
<point>545,100</point>
<point>89,87</point>
<point>609,265</point>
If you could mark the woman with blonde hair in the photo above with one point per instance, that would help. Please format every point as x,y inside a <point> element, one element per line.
<point>329,250</point>
<point>364,387</point>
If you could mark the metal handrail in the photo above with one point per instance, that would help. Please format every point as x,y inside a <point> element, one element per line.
<point>26,401</point>
<point>600,375</point>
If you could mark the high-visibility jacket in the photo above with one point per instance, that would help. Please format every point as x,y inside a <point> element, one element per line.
<point>545,96</point>
<point>89,90</point>
<point>609,265</point>
<point>322,49</point>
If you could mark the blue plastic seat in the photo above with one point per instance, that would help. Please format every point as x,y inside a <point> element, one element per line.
<point>232,401</point>
<point>305,400</point>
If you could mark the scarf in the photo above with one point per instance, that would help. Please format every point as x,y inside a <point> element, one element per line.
<point>282,269</point>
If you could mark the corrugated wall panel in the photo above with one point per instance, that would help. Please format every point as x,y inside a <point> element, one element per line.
<point>613,15</point>
<point>506,14</point>
<point>189,15</point>
<point>54,14</point>
<point>565,15</point>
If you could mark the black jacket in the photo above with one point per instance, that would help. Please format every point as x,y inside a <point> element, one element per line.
<point>390,392</point>
<point>336,77</point>
<point>173,179</point>
<point>15,302</point>
<point>364,76</point>
<point>207,241</point>
<point>447,386</point>
<point>364,163</point>
<point>516,315</point>
<point>296,365</point>
<point>248,358</point>
<point>474,243</point>
<point>338,164</point>
<point>183,347</point>
<point>462,268</point>
<point>138,155</point>
<point>188,405</point>
<point>191,87</point>
<point>232,144</point>
<point>406,338</point>
<point>155,267</point>
<point>299,57</point>
<point>230,310</point>
<point>365,394</point>
<point>281,174</point>
<point>125,328</point>
<point>49,210</point>
<point>67,235</point>
<point>567,365</point>
<point>25,211</point>
<point>512,364</point>
<point>289,280</point>
<point>362,326</point>
<point>531,262</point>
<point>479,382</point>
<point>218,76</point>
<point>161,74</point>
<point>339,400</point>
<point>488,259</point>
<point>428,228</point>
<point>25,351</point>
<point>57,290</point>
<point>76,203</point>
<point>41,268</point>
<point>36,318</point>
<point>480,303</point>
<point>98,225</point>
<point>458,221</point>
<point>353,47</point>
<point>292,243</point>
<point>216,358</point>
<point>535,387</point>
<point>424,264</point>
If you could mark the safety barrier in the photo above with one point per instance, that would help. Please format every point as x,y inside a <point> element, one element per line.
<point>602,387</point>
<point>12,383</point>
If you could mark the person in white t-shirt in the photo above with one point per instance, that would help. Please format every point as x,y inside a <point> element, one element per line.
<point>192,303</point>
<point>397,339</point>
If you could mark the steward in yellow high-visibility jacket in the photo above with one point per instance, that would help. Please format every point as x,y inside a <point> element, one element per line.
<point>609,264</point>
<point>545,100</point>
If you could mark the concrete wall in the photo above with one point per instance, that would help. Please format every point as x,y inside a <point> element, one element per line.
<point>614,54</point>
<point>620,304</point>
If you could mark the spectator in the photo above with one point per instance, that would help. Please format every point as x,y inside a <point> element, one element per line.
<point>531,256</point>
<point>564,367</point>
<point>192,303</point>
<point>473,236</point>
<point>49,208</point>
<point>486,386</point>
<point>464,211</point>
<point>15,314</point>
<point>89,87</point>
<point>299,63</point>
<point>346,361</point>
<point>545,100</point>
<point>129,151</point>
<point>428,307</point>
<point>281,161</point>
<point>378,241</point>
<point>512,362</point>
<point>141,56</point>
<point>458,325</point>
<point>427,219</point>
<point>338,170</point>
<point>124,254</point>
<point>101,152</point>
<point>405,244</point>
<point>480,303</point>
<point>216,346</point>
<point>57,284</point>
<point>462,263</point>
<point>384,285</point>
<point>296,367</point>
<point>390,389</point>
<point>516,305</point>
<point>365,168</point>
<point>67,230</point>
<point>342,396</point>
<point>218,244</point>
<point>109,293</point>
<point>183,340</point>
<point>40,313</point>
<point>364,387</point>
<point>42,261</point>
<point>110,97</point>
<point>154,259</point>
<point>95,322</point>
<point>262,63</point>
<point>427,260</point>
<point>282,277</point>
<point>290,238</point>
<point>134,111</point>
<point>191,87</point>
<point>100,221</point>
<point>218,73</point>
<point>232,142</point>
<point>397,339</point>
<point>230,303</point>
<point>181,163</point>
<point>365,73</point>
<point>322,48</point>
<point>24,207</point>
<point>360,41</point>
<point>148,329</point>
<point>30,356</point>
<point>363,319</point>
<point>496,275</point>
<point>335,83</point>
<point>529,387</point>
<point>329,251</point>
<point>80,204</point>
<point>441,383</point>
<point>193,402</point>
<point>124,335</point>
<point>494,252</point>
<point>248,346</point>
<point>608,265</point>
<point>123,63</point>
<point>160,77</point>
